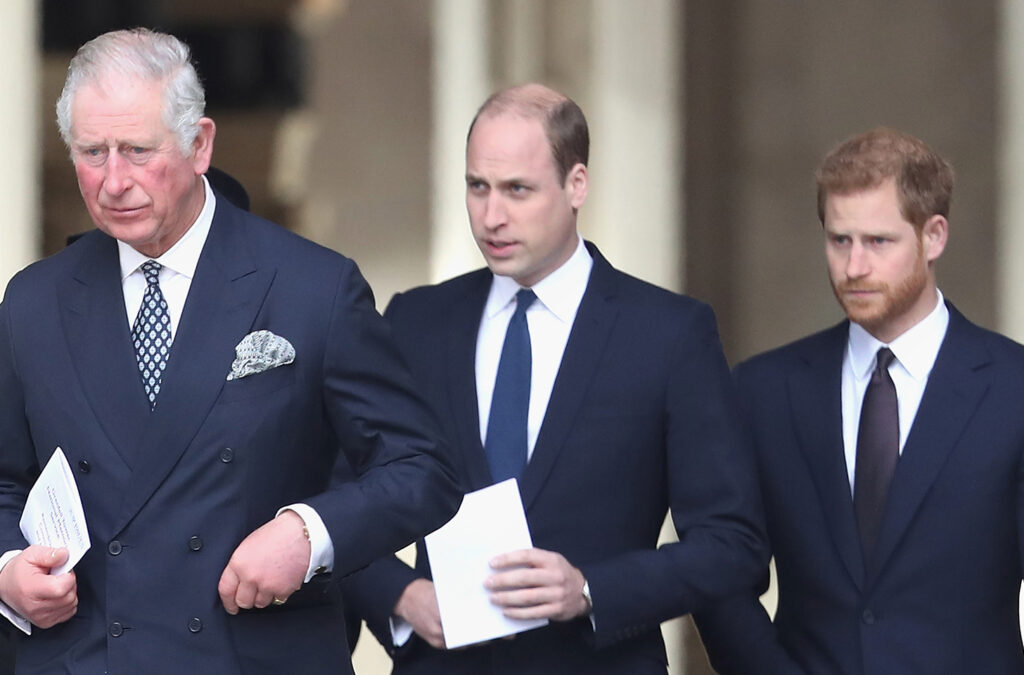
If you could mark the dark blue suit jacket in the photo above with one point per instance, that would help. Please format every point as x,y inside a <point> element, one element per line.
<point>641,420</point>
<point>941,594</point>
<point>169,494</point>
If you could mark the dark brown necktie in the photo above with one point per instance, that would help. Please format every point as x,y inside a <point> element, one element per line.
<point>878,449</point>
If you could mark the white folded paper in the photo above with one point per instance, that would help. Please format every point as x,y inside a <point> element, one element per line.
<point>53,514</point>
<point>490,521</point>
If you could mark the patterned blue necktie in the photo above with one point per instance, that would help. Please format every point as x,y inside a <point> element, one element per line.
<point>151,333</point>
<point>506,441</point>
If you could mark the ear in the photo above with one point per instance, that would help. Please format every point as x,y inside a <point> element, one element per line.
<point>934,234</point>
<point>202,147</point>
<point>576,184</point>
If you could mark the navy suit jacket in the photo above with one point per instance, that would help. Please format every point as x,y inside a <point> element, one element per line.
<point>941,594</point>
<point>169,494</point>
<point>641,419</point>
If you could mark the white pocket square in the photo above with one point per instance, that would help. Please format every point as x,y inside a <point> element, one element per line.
<point>260,351</point>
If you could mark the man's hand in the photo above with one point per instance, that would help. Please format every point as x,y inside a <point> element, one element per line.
<point>269,564</point>
<point>27,587</point>
<point>537,584</point>
<point>418,606</point>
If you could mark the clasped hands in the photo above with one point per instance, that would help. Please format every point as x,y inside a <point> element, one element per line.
<point>267,567</point>
<point>527,584</point>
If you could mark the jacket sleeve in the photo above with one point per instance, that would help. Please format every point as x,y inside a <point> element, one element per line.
<point>713,497</point>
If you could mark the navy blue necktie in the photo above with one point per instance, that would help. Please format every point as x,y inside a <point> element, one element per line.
<point>506,441</point>
<point>151,333</point>
<point>878,449</point>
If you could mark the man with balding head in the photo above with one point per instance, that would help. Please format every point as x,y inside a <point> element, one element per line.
<point>627,414</point>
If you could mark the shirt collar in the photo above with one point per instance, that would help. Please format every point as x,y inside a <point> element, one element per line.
<point>916,349</point>
<point>184,255</point>
<point>560,292</point>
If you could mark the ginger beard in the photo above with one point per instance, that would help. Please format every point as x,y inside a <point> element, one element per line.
<point>888,302</point>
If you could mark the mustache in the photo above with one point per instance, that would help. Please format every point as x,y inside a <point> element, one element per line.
<point>848,287</point>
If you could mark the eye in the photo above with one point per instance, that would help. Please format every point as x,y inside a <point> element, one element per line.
<point>838,239</point>
<point>93,156</point>
<point>137,154</point>
<point>476,186</point>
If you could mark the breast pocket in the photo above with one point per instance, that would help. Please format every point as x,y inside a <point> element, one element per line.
<point>260,384</point>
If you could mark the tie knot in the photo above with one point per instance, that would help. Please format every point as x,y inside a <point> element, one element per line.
<point>524,298</point>
<point>884,358</point>
<point>151,270</point>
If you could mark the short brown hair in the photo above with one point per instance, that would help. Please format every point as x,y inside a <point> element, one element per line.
<point>924,180</point>
<point>564,123</point>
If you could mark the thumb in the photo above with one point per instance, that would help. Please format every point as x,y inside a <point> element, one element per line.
<point>46,556</point>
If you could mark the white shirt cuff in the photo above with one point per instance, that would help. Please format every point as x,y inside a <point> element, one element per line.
<point>401,630</point>
<point>321,554</point>
<point>5,610</point>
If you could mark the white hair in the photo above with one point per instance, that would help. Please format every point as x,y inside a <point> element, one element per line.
<point>146,55</point>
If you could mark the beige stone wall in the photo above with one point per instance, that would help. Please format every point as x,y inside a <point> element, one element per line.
<point>772,86</point>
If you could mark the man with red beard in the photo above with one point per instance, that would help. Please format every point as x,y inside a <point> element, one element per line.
<point>890,451</point>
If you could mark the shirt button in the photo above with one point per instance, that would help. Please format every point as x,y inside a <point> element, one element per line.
<point>226,455</point>
<point>195,625</point>
<point>114,547</point>
<point>195,543</point>
<point>84,467</point>
<point>116,629</point>
<point>868,616</point>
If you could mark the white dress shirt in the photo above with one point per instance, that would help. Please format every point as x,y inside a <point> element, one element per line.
<point>915,351</point>
<point>550,319</point>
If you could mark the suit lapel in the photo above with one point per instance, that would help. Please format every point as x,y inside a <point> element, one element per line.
<point>461,359</point>
<point>223,301</point>
<point>955,386</point>
<point>587,340</point>
<point>816,393</point>
<point>99,339</point>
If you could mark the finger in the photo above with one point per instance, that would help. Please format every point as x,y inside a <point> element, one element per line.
<point>522,598</point>
<point>264,598</point>
<point>522,577</point>
<point>525,556</point>
<point>58,557</point>
<point>245,595</point>
<point>226,588</point>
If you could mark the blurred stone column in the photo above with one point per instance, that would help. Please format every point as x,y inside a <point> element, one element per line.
<point>1010,169</point>
<point>634,210</point>
<point>460,84</point>
<point>20,172</point>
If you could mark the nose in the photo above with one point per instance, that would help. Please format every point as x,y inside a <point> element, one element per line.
<point>857,265</point>
<point>495,213</point>
<point>116,175</point>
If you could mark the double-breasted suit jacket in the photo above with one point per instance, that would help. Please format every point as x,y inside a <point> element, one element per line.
<point>641,420</point>
<point>941,593</point>
<point>169,494</point>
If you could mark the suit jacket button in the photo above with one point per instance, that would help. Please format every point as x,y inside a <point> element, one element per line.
<point>116,629</point>
<point>84,467</point>
<point>195,543</point>
<point>226,455</point>
<point>195,625</point>
<point>868,616</point>
<point>114,548</point>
